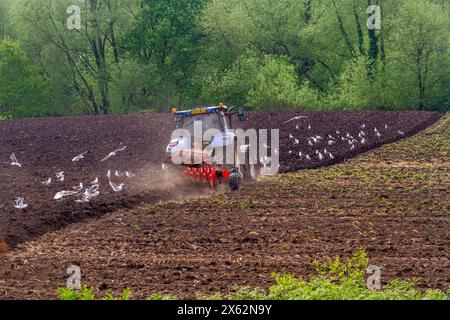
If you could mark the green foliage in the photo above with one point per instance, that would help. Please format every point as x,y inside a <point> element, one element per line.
<point>87,293</point>
<point>356,89</point>
<point>419,68</point>
<point>166,38</point>
<point>126,295</point>
<point>155,54</point>
<point>159,297</point>
<point>6,21</point>
<point>336,280</point>
<point>269,82</point>
<point>276,87</point>
<point>23,90</point>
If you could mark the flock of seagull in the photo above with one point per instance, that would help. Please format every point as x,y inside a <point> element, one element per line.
<point>91,191</point>
<point>331,139</point>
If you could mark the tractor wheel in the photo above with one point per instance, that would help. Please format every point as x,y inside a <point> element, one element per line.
<point>234,180</point>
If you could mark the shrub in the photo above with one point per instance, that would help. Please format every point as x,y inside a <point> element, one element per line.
<point>336,280</point>
<point>87,293</point>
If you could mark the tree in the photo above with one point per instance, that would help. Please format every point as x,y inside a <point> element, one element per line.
<point>265,82</point>
<point>23,90</point>
<point>6,28</point>
<point>89,54</point>
<point>166,35</point>
<point>419,47</point>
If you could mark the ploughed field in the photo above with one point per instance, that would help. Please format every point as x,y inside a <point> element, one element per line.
<point>152,237</point>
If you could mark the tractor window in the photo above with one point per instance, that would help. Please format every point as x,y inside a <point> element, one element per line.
<point>209,121</point>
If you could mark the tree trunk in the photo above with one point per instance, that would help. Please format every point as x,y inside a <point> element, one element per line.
<point>359,31</point>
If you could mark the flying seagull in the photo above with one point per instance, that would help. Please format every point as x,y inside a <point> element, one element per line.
<point>114,153</point>
<point>295,118</point>
<point>79,157</point>
<point>60,195</point>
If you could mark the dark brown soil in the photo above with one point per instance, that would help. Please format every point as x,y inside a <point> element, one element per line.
<point>47,146</point>
<point>4,248</point>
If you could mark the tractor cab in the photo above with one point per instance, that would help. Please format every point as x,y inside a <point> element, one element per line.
<point>218,118</point>
<point>210,117</point>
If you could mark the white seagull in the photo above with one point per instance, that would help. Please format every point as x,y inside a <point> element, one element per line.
<point>79,157</point>
<point>14,161</point>
<point>114,153</point>
<point>296,118</point>
<point>60,195</point>
<point>60,176</point>
<point>89,194</point>
<point>320,156</point>
<point>116,187</point>
<point>79,187</point>
<point>20,204</point>
<point>129,174</point>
